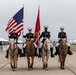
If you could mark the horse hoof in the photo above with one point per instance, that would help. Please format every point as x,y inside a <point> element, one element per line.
<point>46,68</point>
<point>28,69</point>
<point>62,68</point>
<point>13,69</point>
<point>15,66</point>
<point>31,67</point>
<point>43,68</point>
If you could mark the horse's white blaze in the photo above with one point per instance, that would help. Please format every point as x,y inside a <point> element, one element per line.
<point>12,42</point>
<point>48,44</point>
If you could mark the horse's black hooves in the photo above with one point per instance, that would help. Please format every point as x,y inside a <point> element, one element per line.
<point>62,68</point>
<point>43,68</point>
<point>13,69</point>
<point>28,69</point>
<point>15,66</point>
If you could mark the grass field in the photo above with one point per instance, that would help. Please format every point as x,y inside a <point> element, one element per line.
<point>73,47</point>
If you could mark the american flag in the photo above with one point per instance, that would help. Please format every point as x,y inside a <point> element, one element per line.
<point>16,22</point>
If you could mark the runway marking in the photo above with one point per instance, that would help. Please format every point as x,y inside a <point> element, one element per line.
<point>4,65</point>
<point>71,68</point>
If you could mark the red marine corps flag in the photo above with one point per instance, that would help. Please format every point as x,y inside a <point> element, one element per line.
<point>37,29</point>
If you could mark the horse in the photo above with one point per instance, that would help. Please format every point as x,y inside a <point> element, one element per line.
<point>46,52</point>
<point>63,50</point>
<point>13,53</point>
<point>30,51</point>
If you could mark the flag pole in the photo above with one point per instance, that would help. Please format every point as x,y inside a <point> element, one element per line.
<point>39,31</point>
<point>23,30</point>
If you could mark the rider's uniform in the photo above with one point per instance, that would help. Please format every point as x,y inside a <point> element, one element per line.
<point>14,35</point>
<point>30,36</point>
<point>45,35</point>
<point>60,36</point>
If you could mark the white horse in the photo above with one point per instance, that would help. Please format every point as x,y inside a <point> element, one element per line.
<point>46,52</point>
<point>13,53</point>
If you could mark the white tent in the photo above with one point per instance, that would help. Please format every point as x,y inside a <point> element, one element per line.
<point>74,41</point>
<point>2,39</point>
<point>19,41</point>
<point>70,41</point>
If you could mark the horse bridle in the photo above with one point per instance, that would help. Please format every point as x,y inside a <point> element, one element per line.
<point>63,48</point>
<point>12,49</point>
<point>46,48</point>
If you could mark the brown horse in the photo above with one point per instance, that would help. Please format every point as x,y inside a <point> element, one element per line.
<point>63,50</point>
<point>30,51</point>
<point>45,53</point>
<point>13,53</point>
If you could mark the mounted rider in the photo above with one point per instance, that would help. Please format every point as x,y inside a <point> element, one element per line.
<point>62,35</point>
<point>30,35</point>
<point>12,35</point>
<point>45,34</point>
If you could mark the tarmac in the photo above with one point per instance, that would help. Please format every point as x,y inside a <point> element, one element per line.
<point>53,66</point>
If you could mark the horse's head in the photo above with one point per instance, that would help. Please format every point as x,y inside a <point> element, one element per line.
<point>29,43</point>
<point>47,44</point>
<point>63,42</point>
<point>30,48</point>
<point>12,42</point>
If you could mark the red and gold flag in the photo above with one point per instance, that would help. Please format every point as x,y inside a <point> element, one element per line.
<point>37,29</point>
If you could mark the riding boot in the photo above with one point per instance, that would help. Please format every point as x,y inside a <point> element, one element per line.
<point>57,51</point>
<point>20,53</point>
<point>36,54</point>
<point>40,51</point>
<point>69,51</point>
<point>24,52</point>
<point>7,52</point>
<point>52,55</point>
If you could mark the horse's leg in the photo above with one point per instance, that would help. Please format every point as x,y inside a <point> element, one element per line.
<point>62,65</point>
<point>64,60</point>
<point>47,57</point>
<point>32,62</point>
<point>60,61</point>
<point>11,62</point>
<point>43,60</point>
<point>28,61</point>
<point>16,58</point>
<point>15,61</point>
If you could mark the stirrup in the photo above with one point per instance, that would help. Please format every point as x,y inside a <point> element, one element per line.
<point>52,55</point>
